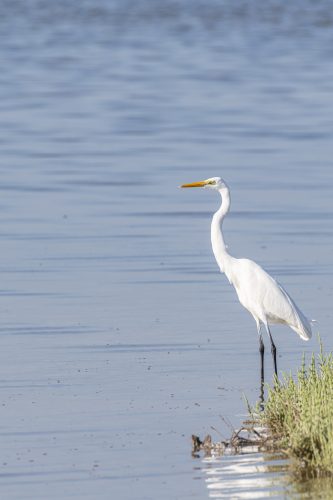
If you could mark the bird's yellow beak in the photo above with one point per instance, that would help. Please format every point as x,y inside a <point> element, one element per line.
<point>195,184</point>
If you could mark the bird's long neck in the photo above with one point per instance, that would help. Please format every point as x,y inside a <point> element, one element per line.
<point>222,256</point>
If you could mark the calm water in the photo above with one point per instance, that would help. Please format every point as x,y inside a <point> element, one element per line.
<point>119,338</point>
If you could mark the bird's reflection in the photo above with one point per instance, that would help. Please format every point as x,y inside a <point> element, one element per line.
<point>249,475</point>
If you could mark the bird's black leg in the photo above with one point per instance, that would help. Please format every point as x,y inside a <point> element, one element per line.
<point>273,351</point>
<point>262,351</point>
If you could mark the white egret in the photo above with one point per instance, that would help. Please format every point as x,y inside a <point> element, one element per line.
<point>257,291</point>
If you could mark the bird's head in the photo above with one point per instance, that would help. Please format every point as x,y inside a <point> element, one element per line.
<point>216,183</point>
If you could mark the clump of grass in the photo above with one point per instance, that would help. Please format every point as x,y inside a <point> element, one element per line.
<point>299,414</point>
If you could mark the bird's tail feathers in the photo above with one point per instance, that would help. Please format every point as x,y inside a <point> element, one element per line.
<point>304,333</point>
<point>302,324</point>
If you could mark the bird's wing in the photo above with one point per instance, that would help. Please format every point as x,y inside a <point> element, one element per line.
<point>266,299</point>
<point>301,325</point>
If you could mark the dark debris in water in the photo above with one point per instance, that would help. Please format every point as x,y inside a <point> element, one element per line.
<point>248,439</point>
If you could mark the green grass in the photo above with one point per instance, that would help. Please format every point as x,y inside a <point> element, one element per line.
<point>299,415</point>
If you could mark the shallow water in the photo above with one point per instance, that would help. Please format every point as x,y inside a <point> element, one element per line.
<point>257,475</point>
<point>250,475</point>
<point>119,338</point>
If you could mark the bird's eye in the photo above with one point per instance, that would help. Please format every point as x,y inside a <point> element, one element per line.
<point>212,183</point>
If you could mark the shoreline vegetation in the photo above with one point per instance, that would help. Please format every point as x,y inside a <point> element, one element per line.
<point>298,414</point>
<point>296,421</point>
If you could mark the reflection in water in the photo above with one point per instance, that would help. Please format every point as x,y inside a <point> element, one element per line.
<point>250,475</point>
<point>254,475</point>
<point>312,489</point>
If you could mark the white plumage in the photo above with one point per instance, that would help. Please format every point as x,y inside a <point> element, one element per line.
<point>266,299</point>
